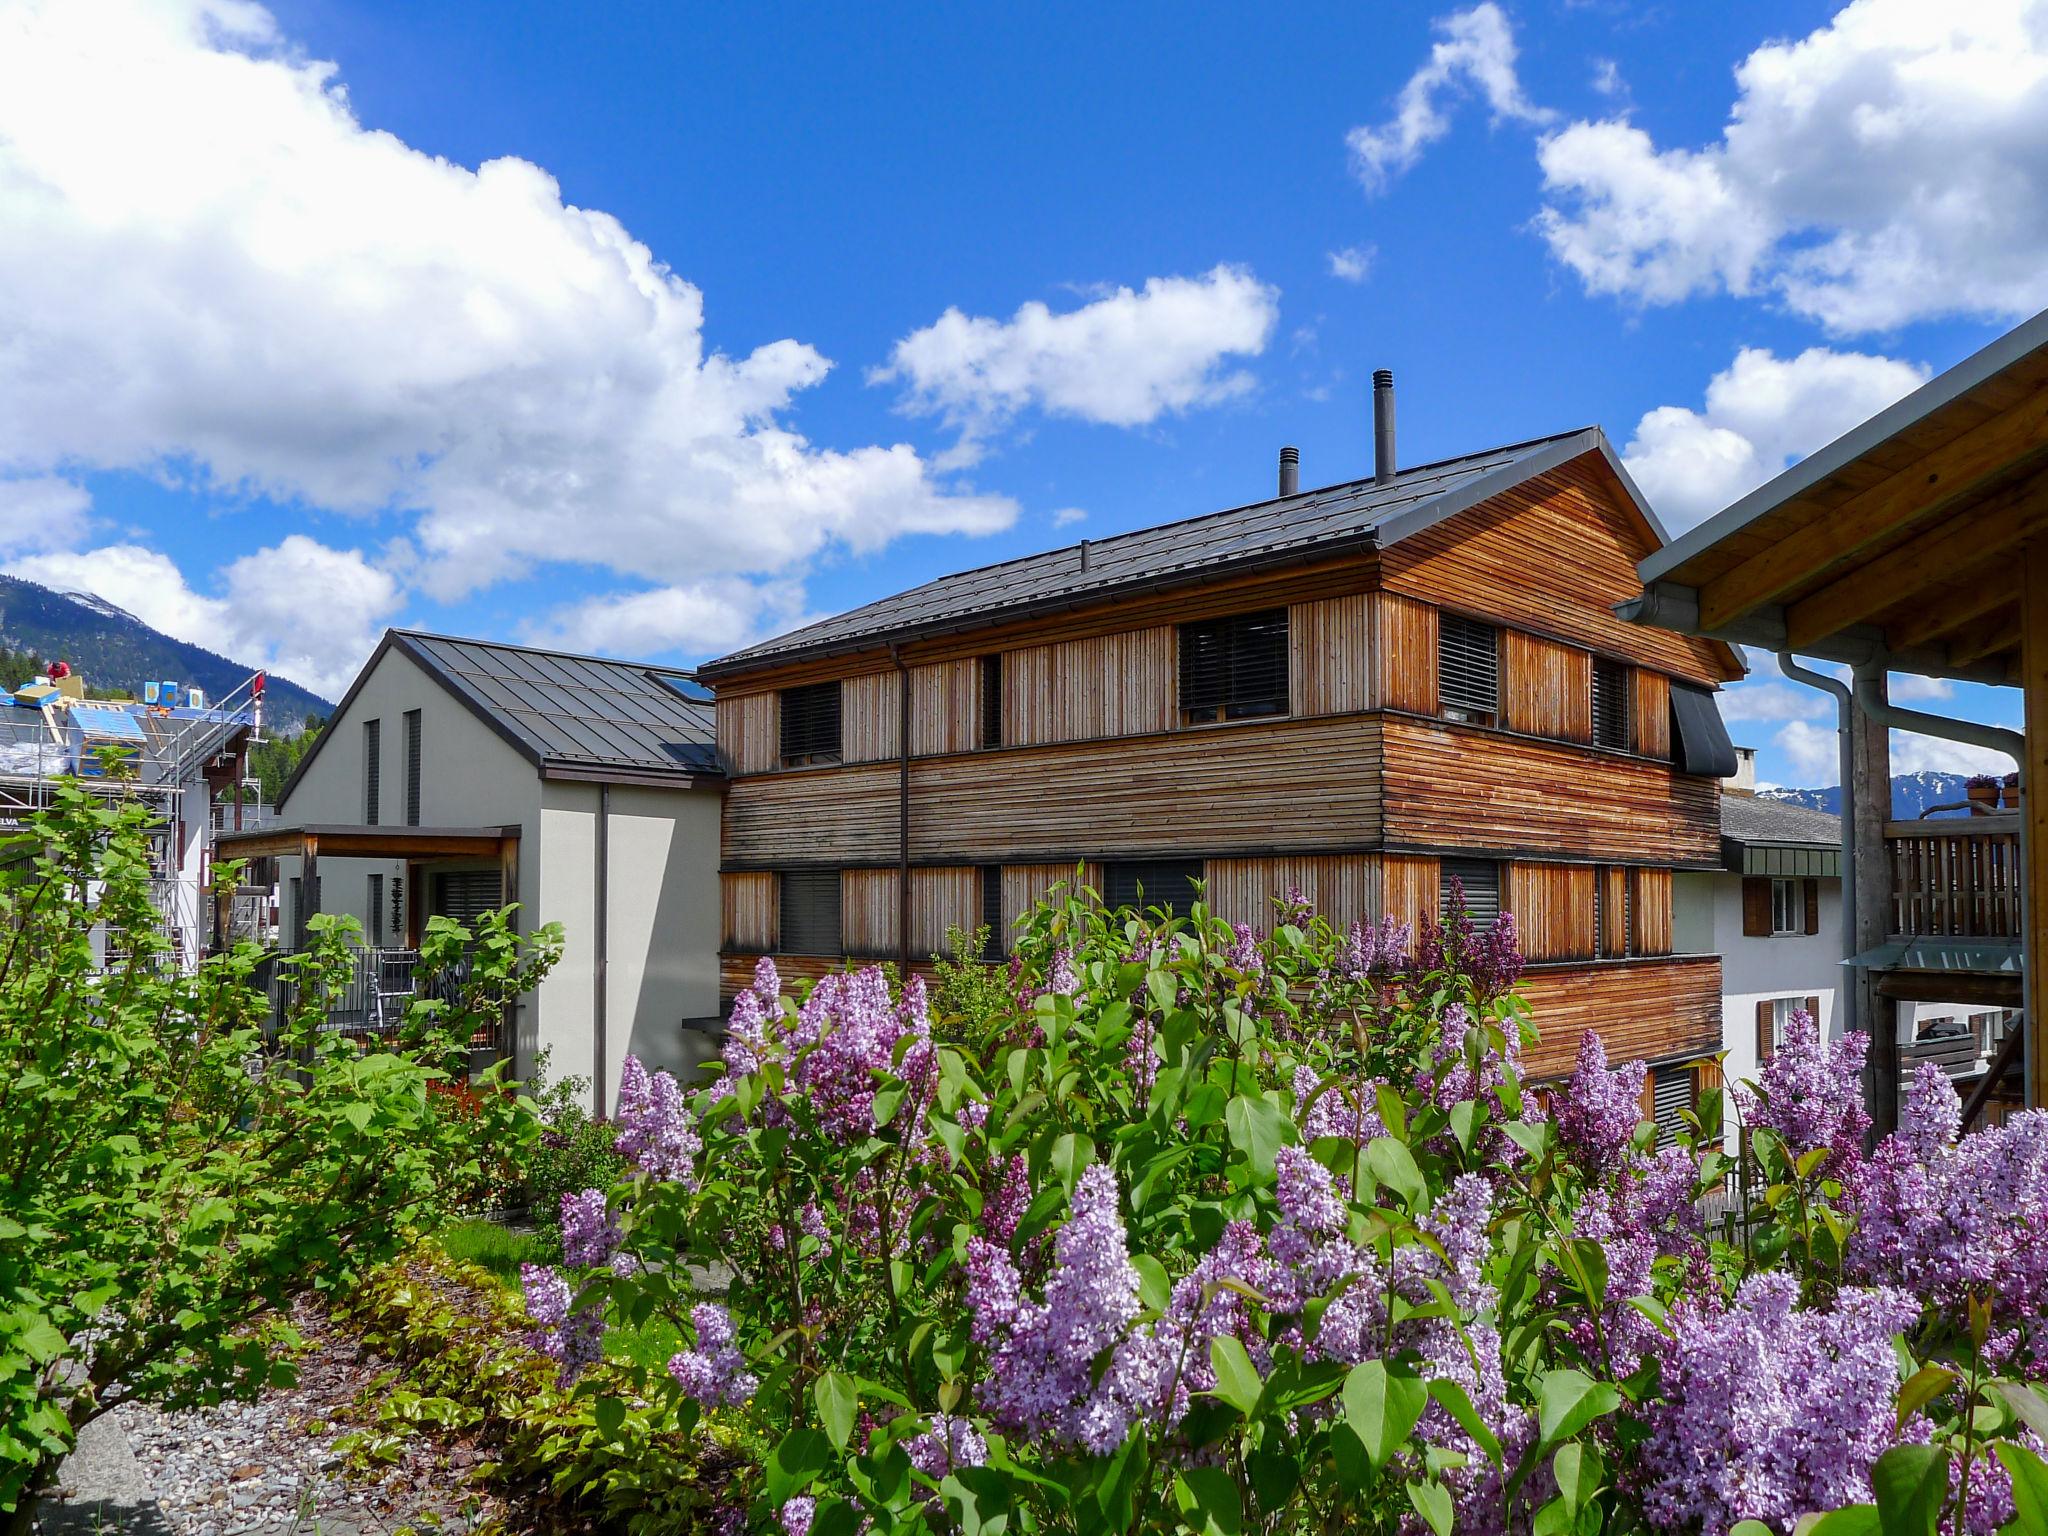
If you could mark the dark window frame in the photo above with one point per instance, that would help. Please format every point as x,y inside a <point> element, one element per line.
<point>991,679</point>
<point>813,724</point>
<point>373,771</point>
<point>1234,668</point>
<point>1481,875</point>
<point>412,767</point>
<point>1143,884</point>
<point>818,929</point>
<point>1613,712</point>
<point>1467,656</point>
<point>994,947</point>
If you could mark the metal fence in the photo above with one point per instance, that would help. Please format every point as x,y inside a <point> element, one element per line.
<point>371,1000</point>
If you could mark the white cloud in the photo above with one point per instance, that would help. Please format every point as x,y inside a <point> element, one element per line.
<point>298,608</point>
<point>1772,701</point>
<point>705,617</point>
<point>1911,687</point>
<point>41,512</point>
<point>216,274</point>
<point>1913,753</point>
<point>1067,516</point>
<point>1353,264</point>
<point>1125,359</point>
<point>1475,51</point>
<point>1607,79</point>
<point>1885,168</point>
<point>1761,413</point>
<point>1814,751</point>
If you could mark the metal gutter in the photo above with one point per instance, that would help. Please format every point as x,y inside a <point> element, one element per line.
<point>1845,707</point>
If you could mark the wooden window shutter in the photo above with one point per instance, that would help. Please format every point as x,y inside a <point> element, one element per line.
<point>1812,894</point>
<point>1813,1010</point>
<point>1756,907</point>
<point>1765,1014</point>
<point>1709,1068</point>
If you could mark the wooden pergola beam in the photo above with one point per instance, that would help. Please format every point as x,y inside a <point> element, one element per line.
<point>1996,631</point>
<point>1948,611</point>
<point>2034,807</point>
<point>1905,498</point>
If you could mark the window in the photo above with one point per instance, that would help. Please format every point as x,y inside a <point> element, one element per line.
<point>810,725</point>
<point>998,935</point>
<point>1168,883</point>
<point>1479,881</point>
<point>1468,669</point>
<point>373,753</point>
<point>465,895</point>
<point>375,908</point>
<point>810,911</point>
<point>1234,668</point>
<point>992,701</point>
<point>1785,904</point>
<point>1673,1092</point>
<point>412,767</point>
<point>1610,705</point>
<point>1774,1018</point>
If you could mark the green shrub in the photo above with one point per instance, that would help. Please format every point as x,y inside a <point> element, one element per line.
<point>572,1152</point>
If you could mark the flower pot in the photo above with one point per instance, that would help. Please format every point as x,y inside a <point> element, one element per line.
<point>1983,794</point>
<point>2012,797</point>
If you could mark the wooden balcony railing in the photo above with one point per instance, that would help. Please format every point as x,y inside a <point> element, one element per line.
<point>1956,878</point>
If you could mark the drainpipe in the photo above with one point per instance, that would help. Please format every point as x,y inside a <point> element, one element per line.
<point>602,941</point>
<point>903,802</point>
<point>1844,713</point>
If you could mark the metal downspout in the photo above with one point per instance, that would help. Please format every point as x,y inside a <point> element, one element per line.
<point>1844,712</point>
<point>903,810</point>
<point>602,944</point>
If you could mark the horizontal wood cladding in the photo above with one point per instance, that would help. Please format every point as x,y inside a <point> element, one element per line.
<point>871,718</point>
<point>945,707</point>
<point>1547,688</point>
<point>1448,786</point>
<point>1643,1009</point>
<point>736,970</point>
<point>750,733</point>
<point>829,816</point>
<point>1650,911</point>
<point>1650,713</point>
<point>1406,631</point>
<point>1553,907</point>
<point>751,910</point>
<point>1299,784</point>
<point>1554,554</point>
<point>1079,690</point>
<point>1332,668</point>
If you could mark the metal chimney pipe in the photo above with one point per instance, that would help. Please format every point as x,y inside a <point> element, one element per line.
<point>1383,425</point>
<point>1290,471</point>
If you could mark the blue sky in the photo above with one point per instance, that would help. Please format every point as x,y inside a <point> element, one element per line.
<point>759,312</point>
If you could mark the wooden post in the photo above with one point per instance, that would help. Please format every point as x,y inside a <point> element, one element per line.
<point>1870,772</point>
<point>2034,801</point>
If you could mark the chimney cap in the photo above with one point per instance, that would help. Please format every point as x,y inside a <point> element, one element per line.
<point>1290,455</point>
<point>1383,378</point>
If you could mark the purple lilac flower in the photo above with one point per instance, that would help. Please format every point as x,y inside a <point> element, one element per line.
<point>1991,1506</point>
<point>656,1131</point>
<point>811,1222</point>
<point>846,1033</point>
<point>1770,1411</point>
<point>1295,909</point>
<point>1009,1185</point>
<point>950,1442</point>
<point>1334,1111</point>
<point>1812,1093</point>
<point>1598,1111</point>
<point>972,1114</point>
<point>570,1336</point>
<point>1244,950</point>
<point>1141,1061</point>
<point>590,1233</point>
<point>1494,959</point>
<point>1310,1206</point>
<point>995,1293</point>
<point>715,1372</point>
<point>797,1513</point>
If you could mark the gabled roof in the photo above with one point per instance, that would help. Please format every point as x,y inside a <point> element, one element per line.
<point>1754,819</point>
<point>1314,525</point>
<point>572,717</point>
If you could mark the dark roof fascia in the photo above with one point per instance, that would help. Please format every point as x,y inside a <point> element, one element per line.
<point>1941,390</point>
<point>326,731</point>
<point>559,771</point>
<point>1560,450</point>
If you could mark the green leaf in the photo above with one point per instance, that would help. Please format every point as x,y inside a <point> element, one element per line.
<point>1432,1501</point>
<point>1463,1119</point>
<point>798,1458</point>
<point>1568,1401</point>
<point>1911,1484</point>
<point>1237,1379</point>
<point>1071,1155</point>
<point>1208,1499</point>
<point>1155,1288</point>
<point>610,1414</point>
<point>2029,1487</point>
<point>1850,1520</point>
<point>979,1499</point>
<point>1459,1407</point>
<point>1928,1383</point>
<point>887,1101</point>
<point>1750,1528</point>
<point>1258,1129</point>
<point>838,1401</point>
<point>1394,1166</point>
<point>1381,1406</point>
<point>1579,1473</point>
<point>2027,1402</point>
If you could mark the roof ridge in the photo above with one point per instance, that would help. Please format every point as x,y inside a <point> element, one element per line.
<point>542,650</point>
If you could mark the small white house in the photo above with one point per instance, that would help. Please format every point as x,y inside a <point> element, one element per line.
<point>457,775</point>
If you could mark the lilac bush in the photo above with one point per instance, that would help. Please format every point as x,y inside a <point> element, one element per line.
<point>1175,1226</point>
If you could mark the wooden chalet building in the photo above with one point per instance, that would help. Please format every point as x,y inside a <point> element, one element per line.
<point>1361,691</point>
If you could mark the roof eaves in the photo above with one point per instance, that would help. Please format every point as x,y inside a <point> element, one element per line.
<point>1561,449</point>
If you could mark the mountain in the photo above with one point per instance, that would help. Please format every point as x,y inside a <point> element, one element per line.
<point>1912,793</point>
<point>114,649</point>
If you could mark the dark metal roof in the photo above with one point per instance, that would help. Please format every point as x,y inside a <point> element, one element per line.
<point>1752,819</point>
<point>1359,514</point>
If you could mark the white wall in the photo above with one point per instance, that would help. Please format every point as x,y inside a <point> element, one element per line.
<point>1755,970</point>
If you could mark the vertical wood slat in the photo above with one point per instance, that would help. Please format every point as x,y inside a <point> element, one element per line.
<point>751,911</point>
<point>1409,888</point>
<point>1339,887</point>
<point>1405,653</point>
<point>945,707</point>
<point>1103,685</point>
<point>1961,883</point>
<point>1025,885</point>
<point>750,733</point>
<point>867,913</point>
<point>870,718</point>
<point>1331,665</point>
<point>1553,907</point>
<point>1650,911</point>
<point>1547,688</point>
<point>1614,923</point>
<point>1650,713</point>
<point>942,899</point>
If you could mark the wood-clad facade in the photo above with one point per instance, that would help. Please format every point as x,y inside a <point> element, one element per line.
<point>1340,759</point>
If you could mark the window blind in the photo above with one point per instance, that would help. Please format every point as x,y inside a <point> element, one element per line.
<point>992,700</point>
<point>997,939</point>
<point>1234,668</point>
<point>1610,705</point>
<point>373,755</point>
<point>1480,881</point>
<point>1468,668</point>
<point>810,724</point>
<point>810,912</point>
<point>1146,883</point>
<point>412,767</point>
<point>1673,1091</point>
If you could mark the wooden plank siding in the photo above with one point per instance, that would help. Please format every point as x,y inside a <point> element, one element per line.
<point>871,718</point>
<point>1553,907</point>
<point>814,816</point>
<point>1650,713</point>
<point>1613,910</point>
<point>1406,634</point>
<point>750,732</point>
<point>1119,684</point>
<point>1643,1009</point>
<point>1450,786</point>
<point>1331,664</point>
<point>1410,888</point>
<point>1650,911</point>
<point>942,899</point>
<point>736,970</point>
<point>1546,688</point>
<point>869,910</point>
<point>1340,887</point>
<point>752,913</point>
<point>945,708</point>
<point>1026,885</point>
